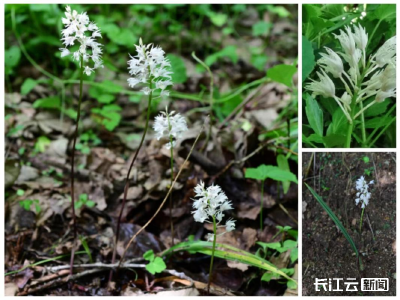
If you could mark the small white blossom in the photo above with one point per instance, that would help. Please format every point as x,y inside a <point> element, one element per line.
<point>211,202</point>
<point>167,125</point>
<point>363,195</point>
<point>150,66</point>
<point>332,63</point>
<point>76,27</point>
<point>324,87</point>
<point>386,53</point>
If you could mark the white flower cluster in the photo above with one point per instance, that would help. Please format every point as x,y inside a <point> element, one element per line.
<point>381,65</point>
<point>76,27</point>
<point>150,65</point>
<point>211,202</point>
<point>363,195</point>
<point>169,125</point>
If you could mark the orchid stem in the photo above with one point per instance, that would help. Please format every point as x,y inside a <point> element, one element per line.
<point>172,180</point>
<point>72,170</point>
<point>362,214</point>
<point>127,181</point>
<point>212,254</point>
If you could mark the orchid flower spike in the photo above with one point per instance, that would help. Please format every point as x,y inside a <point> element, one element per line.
<point>150,67</point>
<point>211,203</point>
<point>78,28</point>
<point>363,195</point>
<point>169,125</point>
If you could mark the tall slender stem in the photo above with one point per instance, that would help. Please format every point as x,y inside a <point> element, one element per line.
<point>350,128</point>
<point>212,254</point>
<point>172,180</point>
<point>72,169</point>
<point>127,179</point>
<point>262,205</point>
<point>362,214</point>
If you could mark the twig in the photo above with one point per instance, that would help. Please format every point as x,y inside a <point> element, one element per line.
<point>166,197</point>
<point>370,227</point>
<point>249,98</point>
<point>286,212</point>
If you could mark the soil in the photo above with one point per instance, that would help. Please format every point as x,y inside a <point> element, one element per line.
<point>326,252</point>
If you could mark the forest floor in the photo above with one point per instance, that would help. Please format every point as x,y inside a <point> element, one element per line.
<point>326,252</point>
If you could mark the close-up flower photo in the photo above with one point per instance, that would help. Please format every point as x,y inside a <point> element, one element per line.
<point>152,149</point>
<point>349,76</point>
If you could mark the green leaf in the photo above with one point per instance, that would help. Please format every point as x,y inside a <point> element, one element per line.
<point>229,253</point>
<point>334,140</point>
<point>12,56</point>
<point>227,52</point>
<point>291,285</point>
<point>28,85</point>
<point>284,165</point>
<point>90,203</point>
<point>42,143</point>
<point>308,58</point>
<point>218,19</point>
<point>376,109</point>
<point>52,102</point>
<point>314,115</point>
<point>263,172</point>
<point>267,276</point>
<point>178,68</point>
<point>156,266</point>
<point>20,192</point>
<point>366,159</point>
<point>385,12</point>
<point>261,28</point>
<point>339,123</point>
<point>376,122</point>
<point>337,222</point>
<point>149,255</point>
<point>106,98</point>
<point>282,74</point>
<point>294,255</point>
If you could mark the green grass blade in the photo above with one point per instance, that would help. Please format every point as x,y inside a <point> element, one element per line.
<point>229,253</point>
<point>337,222</point>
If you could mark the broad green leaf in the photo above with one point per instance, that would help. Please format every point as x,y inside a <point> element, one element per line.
<point>294,255</point>
<point>385,12</point>
<point>263,172</point>
<point>49,102</point>
<point>334,140</point>
<point>227,52</point>
<point>149,255</point>
<point>376,109</point>
<point>284,165</point>
<point>218,19</point>
<point>267,276</point>
<point>339,122</point>
<point>261,28</point>
<point>178,69</point>
<point>156,266</point>
<point>42,143</point>
<point>28,85</point>
<point>106,98</point>
<point>308,58</point>
<point>282,74</point>
<point>376,122</point>
<point>314,115</point>
<point>12,56</point>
